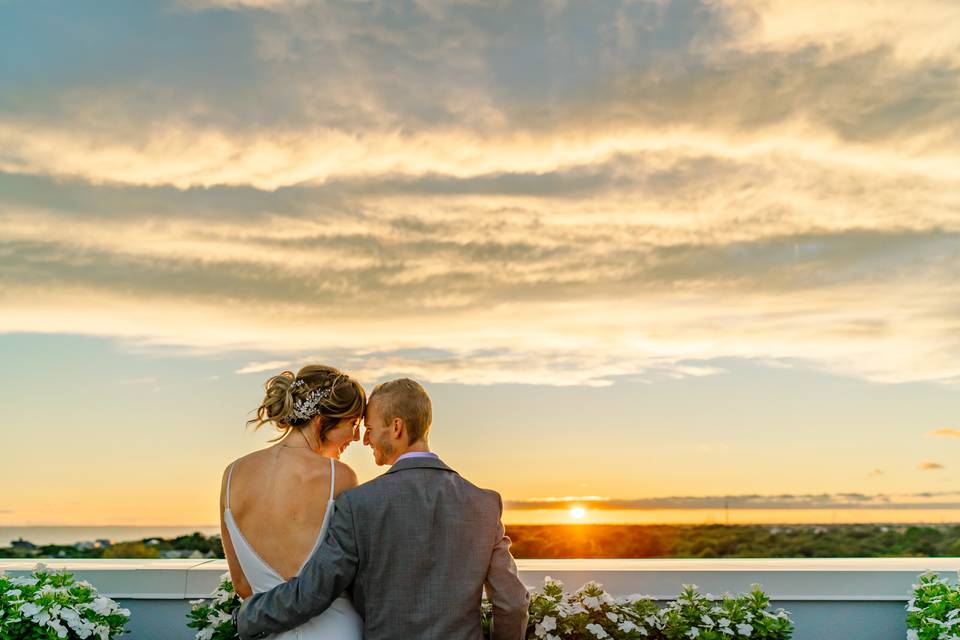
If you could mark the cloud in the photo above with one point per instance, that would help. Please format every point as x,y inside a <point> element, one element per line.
<point>930,466</point>
<point>473,90</point>
<point>257,367</point>
<point>510,193</point>
<point>945,433</point>
<point>837,501</point>
<point>876,472</point>
<point>543,301</point>
<point>923,33</point>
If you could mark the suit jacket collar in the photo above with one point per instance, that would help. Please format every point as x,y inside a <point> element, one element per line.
<point>420,463</point>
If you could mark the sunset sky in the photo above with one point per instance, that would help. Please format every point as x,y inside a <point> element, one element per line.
<point>644,255</point>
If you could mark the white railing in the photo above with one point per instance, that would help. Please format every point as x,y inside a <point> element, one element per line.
<point>845,599</point>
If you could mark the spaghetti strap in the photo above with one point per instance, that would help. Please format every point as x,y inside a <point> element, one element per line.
<point>229,478</point>
<point>333,477</point>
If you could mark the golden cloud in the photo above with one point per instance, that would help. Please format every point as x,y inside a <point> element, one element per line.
<point>945,433</point>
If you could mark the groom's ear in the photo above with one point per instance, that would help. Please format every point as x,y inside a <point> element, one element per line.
<point>399,428</point>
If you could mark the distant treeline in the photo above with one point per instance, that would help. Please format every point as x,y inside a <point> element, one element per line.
<point>631,541</point>
<point>145,548</point>
<point>719,541</point>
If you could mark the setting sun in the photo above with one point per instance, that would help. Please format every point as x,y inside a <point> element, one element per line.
<point>578,513</point>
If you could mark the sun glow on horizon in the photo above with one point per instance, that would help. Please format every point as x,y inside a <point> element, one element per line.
<point>578,513</point>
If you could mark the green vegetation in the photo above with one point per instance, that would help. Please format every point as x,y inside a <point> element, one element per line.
<point>146,548</point>
<point>625,541</point>
<point>718,541</point>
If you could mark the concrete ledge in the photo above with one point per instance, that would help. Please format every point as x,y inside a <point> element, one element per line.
<point>829,599</point>
<point>838,579</point>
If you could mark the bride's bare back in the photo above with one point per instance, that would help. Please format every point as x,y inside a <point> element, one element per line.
<point>278,497</point>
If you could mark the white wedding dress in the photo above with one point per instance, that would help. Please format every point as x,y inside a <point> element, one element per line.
<point>340,622</point>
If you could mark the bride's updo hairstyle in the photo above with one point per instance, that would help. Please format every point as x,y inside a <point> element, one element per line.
<point>292,401</point>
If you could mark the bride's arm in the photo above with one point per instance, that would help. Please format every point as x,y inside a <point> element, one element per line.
<point>240,584</point>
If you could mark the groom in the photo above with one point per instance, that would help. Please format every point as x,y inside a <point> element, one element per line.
<point>415,546</point>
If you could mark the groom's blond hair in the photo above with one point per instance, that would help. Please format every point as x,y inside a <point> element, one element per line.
<point>405,399</point>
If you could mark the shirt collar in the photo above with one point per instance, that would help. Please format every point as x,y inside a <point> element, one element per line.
<point>416,454</point>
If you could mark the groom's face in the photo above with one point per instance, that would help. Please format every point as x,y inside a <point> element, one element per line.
<point>378,435</point>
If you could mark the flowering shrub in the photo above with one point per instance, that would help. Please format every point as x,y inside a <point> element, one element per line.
<point>693,615</point>
<point>51,604</point>
<point>933,611</point>
<point>591,613</point>
<point>213,616</point>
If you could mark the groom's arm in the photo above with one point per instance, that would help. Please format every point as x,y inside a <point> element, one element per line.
<point>507,594</point>
<point>326,575</point>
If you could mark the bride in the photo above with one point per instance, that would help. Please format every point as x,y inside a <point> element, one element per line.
<point>276,504</point>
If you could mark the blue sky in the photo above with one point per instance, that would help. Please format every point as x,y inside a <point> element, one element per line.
<point>651,250</point>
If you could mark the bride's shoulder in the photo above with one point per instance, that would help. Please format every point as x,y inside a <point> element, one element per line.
<point>239,462</point>
<point>346,477</point>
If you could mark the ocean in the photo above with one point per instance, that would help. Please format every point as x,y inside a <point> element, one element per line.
<point>71,535</point>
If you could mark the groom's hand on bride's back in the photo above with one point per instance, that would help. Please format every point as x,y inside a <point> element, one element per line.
<point>324,577</point>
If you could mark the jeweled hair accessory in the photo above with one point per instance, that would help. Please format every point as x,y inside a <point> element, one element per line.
<point>306,407</point>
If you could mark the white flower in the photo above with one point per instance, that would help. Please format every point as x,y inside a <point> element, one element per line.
<point>913,634</point>
<point>707,620</point>
<point>612,617</point>
<point>591,602</point>
<point>204,634</point>
<point>723,622</point>
<point>24,581</point>
<point>627,626</point>
<point>597,630</point>
<point>103,606</point>
<point>744,629</point>
<point>59,628</point>
<point>13,593</point>
<point>693,632</point>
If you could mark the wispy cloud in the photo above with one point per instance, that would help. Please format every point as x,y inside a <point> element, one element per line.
<point>930,466</point>
<point>838,501</point>
<point>257,367</point>
<point>945,433</point>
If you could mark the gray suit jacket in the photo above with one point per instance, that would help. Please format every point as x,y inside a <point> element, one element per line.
<point>415,547</point>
